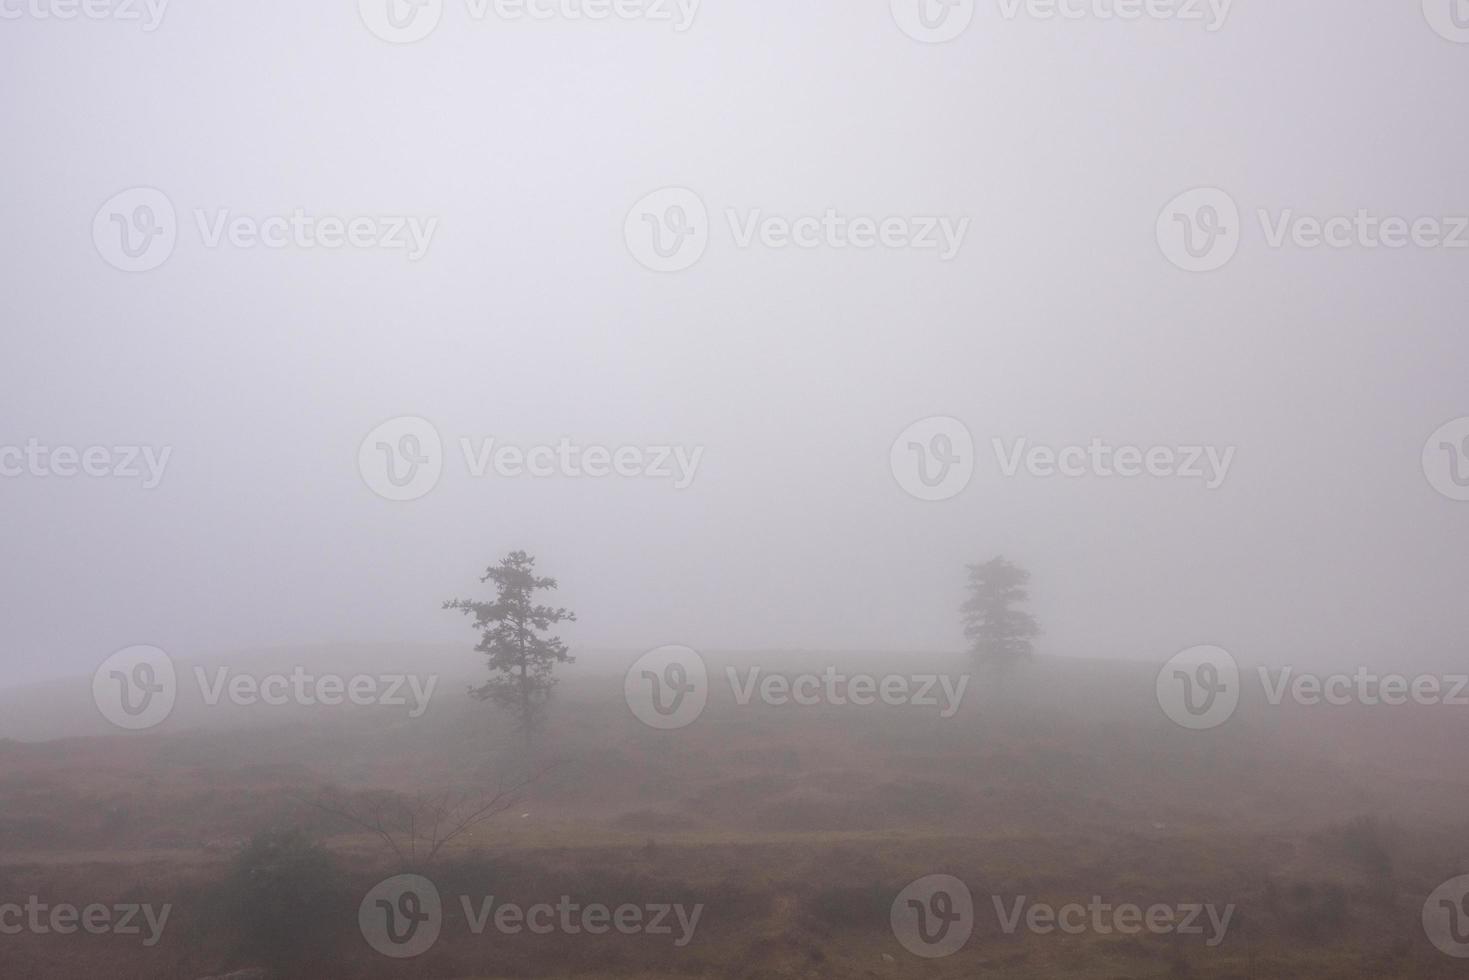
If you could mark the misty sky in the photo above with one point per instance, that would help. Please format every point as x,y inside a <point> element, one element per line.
<point>528,320</point>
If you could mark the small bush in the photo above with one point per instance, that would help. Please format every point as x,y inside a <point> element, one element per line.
<point>1367,842</point>
<point>852,907</point>
<point>284,895</point>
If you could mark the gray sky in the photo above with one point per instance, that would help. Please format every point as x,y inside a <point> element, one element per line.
<point>529,319</point>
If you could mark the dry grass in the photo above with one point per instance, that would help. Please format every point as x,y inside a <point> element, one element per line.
<point>794,828</point>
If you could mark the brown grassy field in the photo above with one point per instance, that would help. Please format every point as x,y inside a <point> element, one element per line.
<point>795,829</point>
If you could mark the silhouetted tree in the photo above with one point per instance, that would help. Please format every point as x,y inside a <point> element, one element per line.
<point>998,632</point>
<point>512,635</point>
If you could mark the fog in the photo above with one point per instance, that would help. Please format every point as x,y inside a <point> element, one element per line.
<point>791,371</point>
<point>630,488</point>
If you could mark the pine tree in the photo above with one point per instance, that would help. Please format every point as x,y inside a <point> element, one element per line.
<point>512,636</point>
<point>997,632</point>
